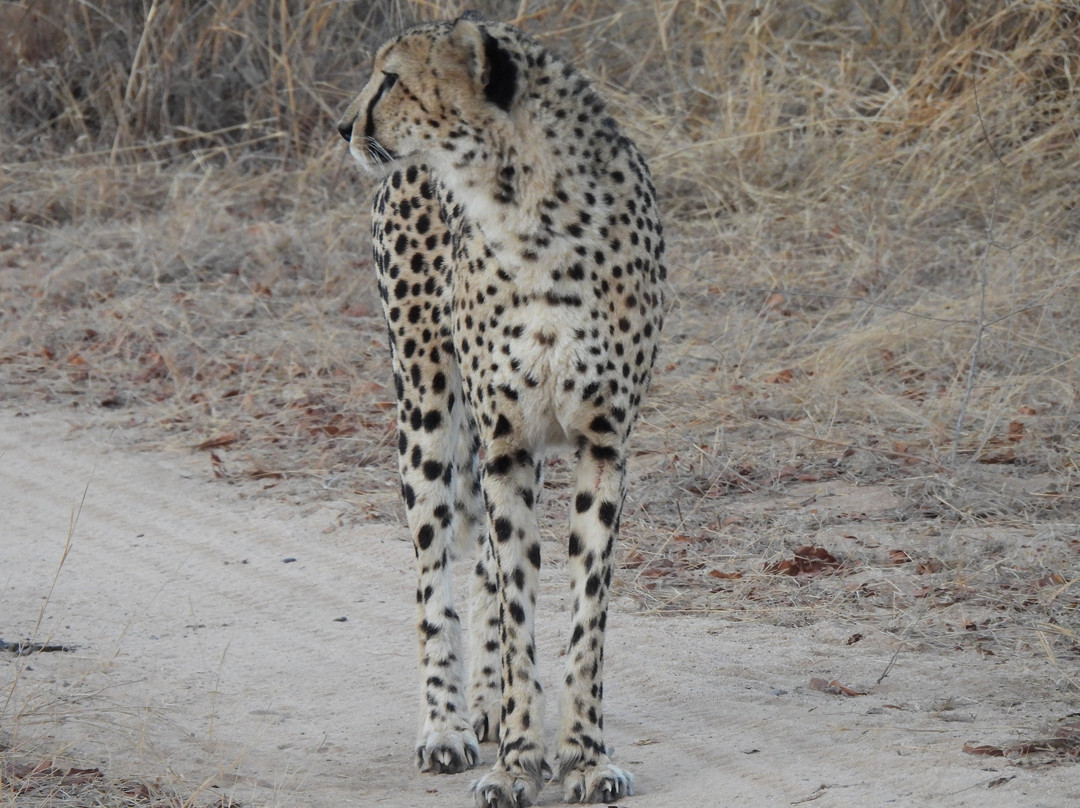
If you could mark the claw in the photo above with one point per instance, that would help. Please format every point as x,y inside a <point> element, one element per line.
<point>448,754</point>
<point>503,790</point>
<point>480,727</point>
<point>545,771</point>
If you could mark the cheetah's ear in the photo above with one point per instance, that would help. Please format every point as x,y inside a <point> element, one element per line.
<point>489,64</point>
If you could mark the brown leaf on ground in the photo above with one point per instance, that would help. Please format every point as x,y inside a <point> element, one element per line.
<point>984,749</point>
<point>1053,579</point>
<point>998,458</point>
<point>218,441</point>
<point>808,560</point>
<point>725,575</point>
<point>834,688</point>
<point>783,377</point>
<point>929,566</point>
<point>78,777</point>
<point>659,568</point>
<point>1063,746</point>
<point>21,777</point>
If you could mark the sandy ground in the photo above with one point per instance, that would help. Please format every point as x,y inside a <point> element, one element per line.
<point>201,655</point>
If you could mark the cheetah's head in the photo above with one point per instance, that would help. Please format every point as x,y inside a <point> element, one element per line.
<point>437,91</point>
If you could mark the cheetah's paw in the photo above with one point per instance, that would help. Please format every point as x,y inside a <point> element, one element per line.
<point>485,723</point>
<point>447,752</point>
<point>601,783</point>
<point>500,789</point>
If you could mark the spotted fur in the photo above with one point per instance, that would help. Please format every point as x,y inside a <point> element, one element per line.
<point>519,254</point>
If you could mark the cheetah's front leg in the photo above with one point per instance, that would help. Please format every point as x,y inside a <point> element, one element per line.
<point>435,443</point>
<point>583,766</point>
<point>510,481</point>
<point>446,742</point>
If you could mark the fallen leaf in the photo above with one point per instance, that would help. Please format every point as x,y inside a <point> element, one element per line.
<point>989,751</point>
<point>808,560</point>
<point>218,441</point>
<point>78,777</point>
<point>725,575</point>
<point>659,568</point>
<point>898,557</point>
<point>931,565</point>
<point>999,458</point>
<point>834,688</point>
<point>1070,730</point>
<point>783,377</point>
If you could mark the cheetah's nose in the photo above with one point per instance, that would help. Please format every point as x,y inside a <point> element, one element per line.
<point>345,128</point>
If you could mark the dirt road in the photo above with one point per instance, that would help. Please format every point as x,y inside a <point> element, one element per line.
<point>240,644</point>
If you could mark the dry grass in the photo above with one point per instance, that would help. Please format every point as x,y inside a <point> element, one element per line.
<point>873,247</point>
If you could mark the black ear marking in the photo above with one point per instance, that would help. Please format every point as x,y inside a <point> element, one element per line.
<point>501,72</point>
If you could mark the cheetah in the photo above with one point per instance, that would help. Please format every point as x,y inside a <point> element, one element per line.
<point>519,255</point>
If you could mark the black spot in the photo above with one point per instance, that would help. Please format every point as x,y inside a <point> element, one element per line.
<point>607,513</point>
<point>424,536</point>
<point>534,556</point>
<point>503,529</point>
<point>443,514</point>
<point>433,469</point>
<point>601,424</point>
<point>432,419</point>
<point>604,453</point>
<point>517,612</point>
<point>574,548</point>
<point>579,632</point>
<point>502,74</point>
<point>502,426</point>
<point>499,465</point>
<point>592,586</point>
<point>583,502</point>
